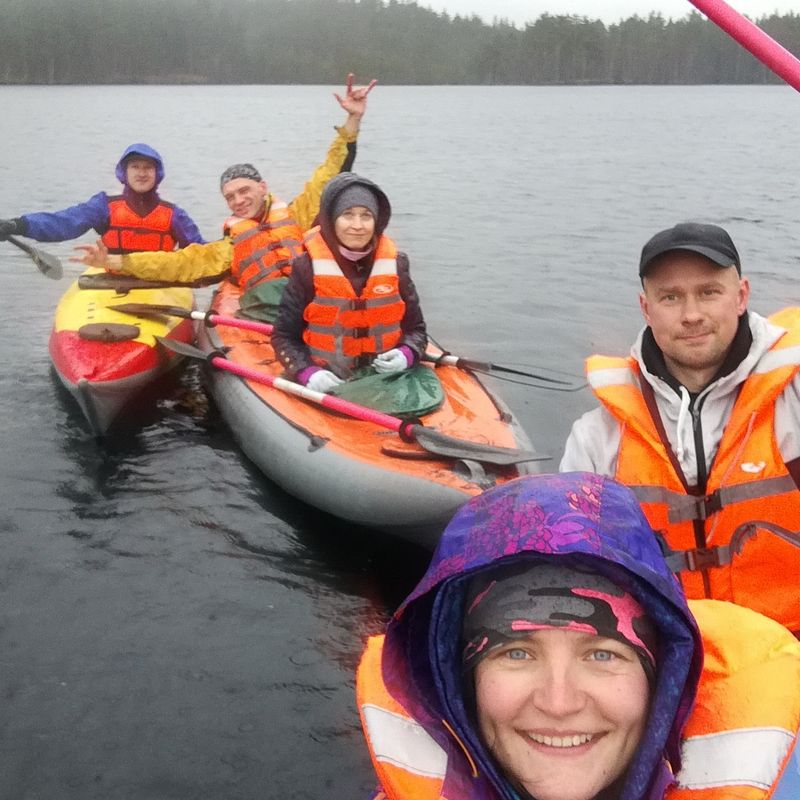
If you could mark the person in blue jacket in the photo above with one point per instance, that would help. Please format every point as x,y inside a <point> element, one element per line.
<point>138,219</point>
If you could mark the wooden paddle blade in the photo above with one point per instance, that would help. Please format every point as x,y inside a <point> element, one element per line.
<point>119,283</point>
<point>152,310</point>
<point>48,264</point>
<point>443,445</point>
<point>124,283</point>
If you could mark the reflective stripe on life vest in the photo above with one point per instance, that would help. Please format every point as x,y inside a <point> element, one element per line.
<point>129,233</point>
<point>343,329</point>
<point>748,481</point>
<point>747,757</point>
<point>264,250</point>
<point>402,742</point>
<point>409,763</point>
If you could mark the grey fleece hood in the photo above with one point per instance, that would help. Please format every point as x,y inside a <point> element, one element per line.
<point>335,187</point>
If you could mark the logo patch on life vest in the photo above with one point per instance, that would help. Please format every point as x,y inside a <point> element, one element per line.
<point>383,288</point>
<point>753,467</point>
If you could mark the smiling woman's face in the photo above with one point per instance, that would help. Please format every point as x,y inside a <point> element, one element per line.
<point>354,227</point>
<point>562,712</point>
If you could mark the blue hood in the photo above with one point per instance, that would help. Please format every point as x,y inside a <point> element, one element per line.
<point>139,149</point>
<point>573,517</point>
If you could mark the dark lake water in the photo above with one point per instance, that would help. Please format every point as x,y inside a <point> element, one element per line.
<point>172,625</point>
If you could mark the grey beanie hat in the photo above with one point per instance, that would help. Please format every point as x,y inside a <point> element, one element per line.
<point>355,195</point>
<point>239,171</point>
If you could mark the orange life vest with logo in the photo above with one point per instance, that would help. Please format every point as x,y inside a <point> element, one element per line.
<point>738,742</point>
<point>263,250</point>
<point>344,329</point>
<point>748,484</point>
<point>129,233</point>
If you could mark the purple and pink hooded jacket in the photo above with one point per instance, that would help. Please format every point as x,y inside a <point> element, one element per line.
<point>578,518</point>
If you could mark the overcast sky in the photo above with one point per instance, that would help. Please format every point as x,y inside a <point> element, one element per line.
<point>521,11</point>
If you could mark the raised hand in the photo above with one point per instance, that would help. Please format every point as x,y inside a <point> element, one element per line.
<point>94,255</point>
<point>355,98</point>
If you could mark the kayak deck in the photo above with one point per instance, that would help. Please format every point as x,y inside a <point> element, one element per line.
<point>105,359</point>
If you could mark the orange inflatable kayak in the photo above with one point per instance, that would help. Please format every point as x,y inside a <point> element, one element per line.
<point>353,468</point>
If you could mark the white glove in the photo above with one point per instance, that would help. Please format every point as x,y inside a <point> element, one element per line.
<point>323,381</point>
<point>390,361</point>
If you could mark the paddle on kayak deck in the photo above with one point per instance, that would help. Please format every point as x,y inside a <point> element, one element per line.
<point>210,318</point>
<point>431,440</point>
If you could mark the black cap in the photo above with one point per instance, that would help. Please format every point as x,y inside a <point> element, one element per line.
<point>710,241</point>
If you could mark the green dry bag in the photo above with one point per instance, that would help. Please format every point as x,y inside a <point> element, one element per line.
<point>262,301</point>
<point>411,393</point>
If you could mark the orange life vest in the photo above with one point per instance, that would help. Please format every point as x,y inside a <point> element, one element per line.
<point>748,483</point>
<point>129,233</point>
<point>738,741</point>
<point>344,329</point>
<point>743,729</point>
<point>264,250</point>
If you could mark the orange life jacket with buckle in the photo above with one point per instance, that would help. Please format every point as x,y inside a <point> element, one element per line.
<point>722,552</point>
<point>129,233</point>
<point>740,740</point>
<point>264,250</point>
<point>344,329</point>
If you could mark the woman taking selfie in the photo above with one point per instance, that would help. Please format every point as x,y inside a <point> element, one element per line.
<point>549,654</point>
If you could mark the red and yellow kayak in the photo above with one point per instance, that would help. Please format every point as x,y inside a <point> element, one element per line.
<point>104,358</point>
<point>352,468</point>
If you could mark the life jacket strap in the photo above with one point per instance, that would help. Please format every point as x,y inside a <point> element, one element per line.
<point>684,508</point>
<point>702,558</point>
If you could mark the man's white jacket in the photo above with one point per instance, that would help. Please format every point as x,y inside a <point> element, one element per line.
<point>593,443</point>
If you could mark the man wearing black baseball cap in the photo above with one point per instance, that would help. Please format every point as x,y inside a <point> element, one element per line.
<point>264,234</point>
<point>710,241</point>
<point>702,420</point>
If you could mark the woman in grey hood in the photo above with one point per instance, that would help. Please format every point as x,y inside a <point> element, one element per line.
<point>350,301</point>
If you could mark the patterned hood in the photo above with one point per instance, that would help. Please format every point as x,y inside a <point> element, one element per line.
<point>573,518</point>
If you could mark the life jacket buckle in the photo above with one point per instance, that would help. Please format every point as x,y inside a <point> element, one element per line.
<point>360,333</point>
<point>358,305</point>
<point>708,505</point>
<point>702,558</point>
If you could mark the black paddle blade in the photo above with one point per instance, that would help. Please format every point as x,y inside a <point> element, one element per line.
<point>48,264</point>
<point>443,445</point>
<point>188,350</point>
<point>152,310</point>
<point>534,375</point>
<point>486,366</point>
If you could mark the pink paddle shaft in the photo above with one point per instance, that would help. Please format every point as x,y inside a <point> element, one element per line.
<point>752,38</point>
<point>328,400</point>
<point>235,322</point>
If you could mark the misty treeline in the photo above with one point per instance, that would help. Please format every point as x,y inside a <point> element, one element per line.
<point>318,41</point>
